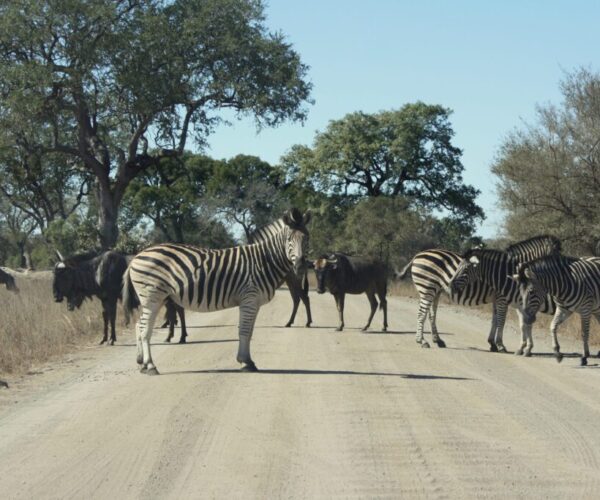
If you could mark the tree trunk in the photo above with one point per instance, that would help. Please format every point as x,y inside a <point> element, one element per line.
<point>108,230</point>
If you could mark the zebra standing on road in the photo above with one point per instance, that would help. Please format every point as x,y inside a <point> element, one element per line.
<point>573,283</point>
<point>432,273</point>
<point>297,284</point>
<point>208,280</point>
<point>495,268</point>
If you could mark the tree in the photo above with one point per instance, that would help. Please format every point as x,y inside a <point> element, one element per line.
<point>247,191</point>
<point>406,152</point>
<point>549,170</point>
<point>109,79</point>
<point>170,195</point>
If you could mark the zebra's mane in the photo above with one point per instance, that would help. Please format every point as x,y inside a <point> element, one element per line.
<point>266,232</point>
<point>483,253</point>
<point>529,249</point>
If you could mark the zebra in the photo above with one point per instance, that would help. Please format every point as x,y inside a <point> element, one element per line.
<point>495,268</point>
<point>297,285</point>
<point>208,280</point>
<point>432,272</point>
<point>573,283</point>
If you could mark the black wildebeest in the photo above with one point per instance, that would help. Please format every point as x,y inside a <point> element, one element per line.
<point>89,275</point>
<point>9,281</point>
<point>171,312</point>
<point>342,274</point>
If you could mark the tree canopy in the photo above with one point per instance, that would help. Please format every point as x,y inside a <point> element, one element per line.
<point>118,85</point>
<point>406,152</point>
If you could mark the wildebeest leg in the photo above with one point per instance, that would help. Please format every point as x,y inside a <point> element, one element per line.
<point>383,305</point>
<point>339,302</point>
<point>113,318</point>
<point>170,318</point>
<point>146,325</point>
<point>435,335</point>
<point>181,312</point>
<point>105,319</point>
<point>501,309</point>
<point>248,310</point>
<point>296,302</point>
<point>373,302</point>
<point>559,317</point>
<point>306,301</point>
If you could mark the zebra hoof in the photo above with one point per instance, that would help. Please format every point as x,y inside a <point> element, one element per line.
<point>143,369</point>
<point>502,349</point>
<point>249,367</point>
<point>493,348</point>
<point>559,357</point>
<point>440,343</point>
<point>583,361</point>
<point>519,352</point>
<point>182,341</point>
<point>152,371</point>
<point>168,339</point>
<point>425,345</point>
<point>140,360</point>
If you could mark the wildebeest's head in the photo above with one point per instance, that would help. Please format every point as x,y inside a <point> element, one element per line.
<point>325,270</point>
<point>63,286</point>
<point>296,244</point>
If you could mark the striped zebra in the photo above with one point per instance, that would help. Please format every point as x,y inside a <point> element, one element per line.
<point>297,284</point>
<point>495,268</point>
<point>573,283</point>
<point>208,280</point>
<point>432,273</point>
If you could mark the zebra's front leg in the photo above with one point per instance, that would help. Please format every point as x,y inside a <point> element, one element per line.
<point>559,317</point>
<point>146,324</point>
<point>526,337</point>
<point>585,333</point>
<point>248,311</point>
<point>435,336</point>
<point>501,310</point>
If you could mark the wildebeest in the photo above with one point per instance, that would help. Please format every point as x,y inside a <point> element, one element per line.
<point>342,274</point>
<point>9,281</point>
<point>89,275</point>
<point>172,310</point>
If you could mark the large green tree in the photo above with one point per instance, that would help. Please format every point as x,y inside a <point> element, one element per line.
<point>549,170</point>
<point>119,84</point>
<point>406,152</point>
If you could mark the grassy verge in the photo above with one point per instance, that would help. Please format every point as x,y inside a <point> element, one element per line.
<point>34,329</point>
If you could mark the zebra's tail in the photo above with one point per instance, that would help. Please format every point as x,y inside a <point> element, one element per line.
<point>130,298</point>
<point>400,275</point>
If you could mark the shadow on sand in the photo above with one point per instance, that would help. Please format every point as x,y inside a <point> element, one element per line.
<point>175,342</point>
<point>414,376</point>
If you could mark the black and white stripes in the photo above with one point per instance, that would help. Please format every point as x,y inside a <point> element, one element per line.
<point>208,280</point>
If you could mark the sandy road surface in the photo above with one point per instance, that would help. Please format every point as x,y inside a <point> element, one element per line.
<point>347,415</point>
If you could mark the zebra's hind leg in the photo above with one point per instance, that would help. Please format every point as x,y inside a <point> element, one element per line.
<point>146,324</point>
<point>248,311</point>
<point>585,333</point>
<point>424,306</point>
<point>435,336</point>
<point>492,335</point>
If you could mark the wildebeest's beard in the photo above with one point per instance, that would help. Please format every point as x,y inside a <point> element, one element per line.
<point>74,301</point>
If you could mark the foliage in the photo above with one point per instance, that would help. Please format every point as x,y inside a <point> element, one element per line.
<point>102,79</point>
<point>406,152</point>
<point>549,171</point>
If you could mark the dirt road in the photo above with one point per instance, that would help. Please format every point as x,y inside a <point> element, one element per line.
<point>348,415</point>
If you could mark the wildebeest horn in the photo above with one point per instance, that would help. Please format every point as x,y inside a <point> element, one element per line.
<point>59,255</point>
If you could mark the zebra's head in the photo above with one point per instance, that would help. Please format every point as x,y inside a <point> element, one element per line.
<point>467,272</point>
<point>296,241</point>
<point>531,291</point>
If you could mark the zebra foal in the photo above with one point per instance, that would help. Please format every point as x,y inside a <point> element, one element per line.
<point>208,280</point>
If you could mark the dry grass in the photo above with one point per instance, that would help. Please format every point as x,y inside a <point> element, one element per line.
<point>34,329</point>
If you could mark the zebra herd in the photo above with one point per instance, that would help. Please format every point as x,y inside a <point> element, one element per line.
<point>531,276</point>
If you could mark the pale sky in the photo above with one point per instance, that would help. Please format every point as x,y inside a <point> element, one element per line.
<point>491,63</point>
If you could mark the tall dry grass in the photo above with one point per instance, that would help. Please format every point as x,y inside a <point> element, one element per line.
<point>35,329</point>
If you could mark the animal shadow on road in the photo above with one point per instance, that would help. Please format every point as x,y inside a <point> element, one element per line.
<point>189,342</point>
<point>414,376</point>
